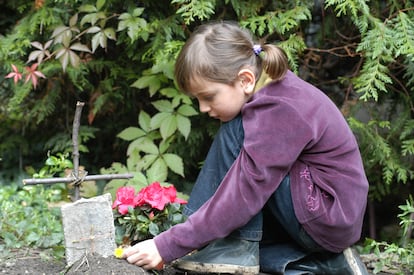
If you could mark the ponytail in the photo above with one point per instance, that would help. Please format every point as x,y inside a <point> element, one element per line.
<point>274,61</point>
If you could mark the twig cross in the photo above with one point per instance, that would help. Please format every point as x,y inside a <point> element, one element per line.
<point>76,177</point>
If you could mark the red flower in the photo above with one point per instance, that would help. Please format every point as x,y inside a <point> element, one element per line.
<point>171,193</point>
<point>125,197</point>
<point>157,196</point>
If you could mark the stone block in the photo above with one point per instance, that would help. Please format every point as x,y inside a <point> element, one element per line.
<point>88,227</point>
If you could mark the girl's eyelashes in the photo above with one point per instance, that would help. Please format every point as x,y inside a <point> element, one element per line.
<point>208,98</point>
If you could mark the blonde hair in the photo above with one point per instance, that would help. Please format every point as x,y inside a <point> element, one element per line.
<point>218,51</point>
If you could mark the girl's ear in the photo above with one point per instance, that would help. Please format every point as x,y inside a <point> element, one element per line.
<point>248,80</point>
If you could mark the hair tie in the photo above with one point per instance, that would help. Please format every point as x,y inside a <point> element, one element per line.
<point>257,49</point>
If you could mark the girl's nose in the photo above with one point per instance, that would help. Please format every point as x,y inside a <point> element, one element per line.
<point>204,108</point>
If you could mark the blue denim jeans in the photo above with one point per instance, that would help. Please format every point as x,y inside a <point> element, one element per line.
<point>276,223</point>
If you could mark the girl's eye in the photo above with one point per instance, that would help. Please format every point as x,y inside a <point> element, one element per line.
<point>208,98</point>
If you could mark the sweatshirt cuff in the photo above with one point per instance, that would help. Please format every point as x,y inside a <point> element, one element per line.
<point>163,248</point>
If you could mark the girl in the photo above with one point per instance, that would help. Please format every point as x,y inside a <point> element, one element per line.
<point>283,187</point>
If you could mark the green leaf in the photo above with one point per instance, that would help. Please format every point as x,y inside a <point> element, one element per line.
<point>51,161</point>
<point>147,146</point>
<point>93,29</point>
<point>73,20</point>
<point>99,39</point>
<point>168,126</point>
<point>136,26</point>
<point>137,12</point>
<point>187,110</point>
<point>74,59</point>
<point>158,171</point>
<point>33,237</point>
<point>87,8</point>
<point>100,4</point>
<point>153,229</point>
<point>80,47</point>
<point>146,161</point>
<point>144,121</point>
<point>183,125</point>
<point>110,33</point>
<point>158,119</point>
<point>164,145</point>
<point>133,150</point>
<point>92,18</point>
<point>131,133</point>
<point>175,163</point>
<point>152,82</point>
<point>163,106</point>
<point>143,218</point>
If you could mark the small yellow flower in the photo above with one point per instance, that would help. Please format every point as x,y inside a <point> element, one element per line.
<point>118,252</point>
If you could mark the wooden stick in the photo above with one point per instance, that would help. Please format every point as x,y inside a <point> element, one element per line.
<point>75,153</point>
<point>72,179</point>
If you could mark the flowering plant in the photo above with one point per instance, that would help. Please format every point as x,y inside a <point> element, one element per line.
<point>141,216</point>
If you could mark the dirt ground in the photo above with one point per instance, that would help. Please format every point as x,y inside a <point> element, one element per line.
<point>32,262</point>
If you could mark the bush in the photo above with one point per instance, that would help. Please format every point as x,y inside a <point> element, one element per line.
<point>28,218</point>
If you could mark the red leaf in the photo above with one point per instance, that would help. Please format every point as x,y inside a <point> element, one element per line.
<point>33,74</point>
<point>15,74</point>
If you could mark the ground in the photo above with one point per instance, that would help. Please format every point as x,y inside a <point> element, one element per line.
<point>27,261</point>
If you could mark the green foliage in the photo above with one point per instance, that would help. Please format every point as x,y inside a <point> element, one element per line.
<point>53,165</point>
<point>391,258</point>
<point>406,216</point>
<point>382,145</point>
<point>135,25</point>
<point>27,218</point>
<point>195,9</point>
<point>396,258</point>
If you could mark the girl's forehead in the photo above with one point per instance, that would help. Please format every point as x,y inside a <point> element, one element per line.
<point>196,83</point>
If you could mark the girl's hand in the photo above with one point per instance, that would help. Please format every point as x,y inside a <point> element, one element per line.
<point>144,254</point>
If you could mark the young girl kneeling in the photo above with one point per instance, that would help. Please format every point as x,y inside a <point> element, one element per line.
<point>283,187</point>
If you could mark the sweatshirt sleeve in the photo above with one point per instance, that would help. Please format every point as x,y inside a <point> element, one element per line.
<point>273,142</point>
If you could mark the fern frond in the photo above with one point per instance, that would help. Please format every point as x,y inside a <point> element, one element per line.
<point>378,41</point>
<point>380,146</point>
<point>354,8</point>
<point>351,7</point>
<point>194,9</point>
<point>403,35</point>
<point>407,146</point>
<point>409,73</point>
<point>43,19</point>
<point>245,9</point>
<point>20,93</point>
<point>408,129</point>
<point>284,21</point>
<point>257,24</point>
<point>293,47</point>
<point>281,22</point>
<point>372,80</point>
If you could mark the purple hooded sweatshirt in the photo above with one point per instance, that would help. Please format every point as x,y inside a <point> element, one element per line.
<point>290,127</point>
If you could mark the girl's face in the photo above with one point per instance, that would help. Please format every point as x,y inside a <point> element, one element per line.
<point>221,101</point>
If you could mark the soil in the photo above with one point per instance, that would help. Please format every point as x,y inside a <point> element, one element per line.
<point>27,261</point>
